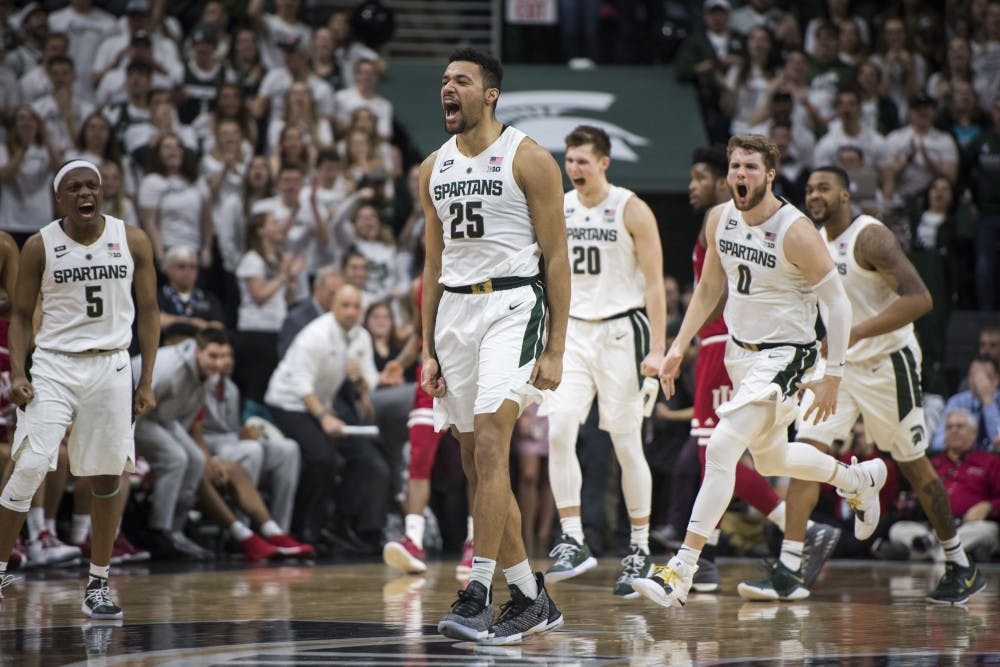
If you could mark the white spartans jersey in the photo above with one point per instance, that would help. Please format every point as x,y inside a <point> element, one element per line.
<point>769,300</point>
<point>86,291</point>
<point>487,227</point>
<point>605,272</point>
<point>868,293</point>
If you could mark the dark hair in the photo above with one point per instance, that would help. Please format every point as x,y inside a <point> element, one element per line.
<point>489,67</point>
<point>848,89</point>
<point>141,66</point>
<point>713,157</point>
<point>327,155</point>
<point>189,168</point>
<point>589,134</point>
<point>755,143</point>
<point>210,335</point>
<point>845,180</point>
<point>351,253</point>
<point>112,152</point>
<point>182,330</point>
<point>986,360</point>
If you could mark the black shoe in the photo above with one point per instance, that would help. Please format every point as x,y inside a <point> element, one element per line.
<point>821,540</point>
<point>521,616</point>
<point>343,539</point>
<point>97,602</point>
<point>161,546</point>
<point>471,614</point>
<point>957,585</point>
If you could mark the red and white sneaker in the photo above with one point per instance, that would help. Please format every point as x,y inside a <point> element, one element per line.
<point>18,556</point>
<point>464,567</point>
<point>50,550</point>
<point>288,546</point>
<point>256,548</point>
<point>128,551</point>
<point>404,555</point>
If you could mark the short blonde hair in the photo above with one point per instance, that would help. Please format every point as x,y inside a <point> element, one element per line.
<point>755,143</point>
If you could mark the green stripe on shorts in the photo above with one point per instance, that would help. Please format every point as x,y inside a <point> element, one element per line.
<point>803,359</point>
<point>640,340</point>
<point>904,393</point>
<point>531,345</point>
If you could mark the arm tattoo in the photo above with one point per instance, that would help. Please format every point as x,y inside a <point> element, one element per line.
<point>877,248</point>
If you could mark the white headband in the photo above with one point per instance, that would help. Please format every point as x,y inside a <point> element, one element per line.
<point>70,166</point>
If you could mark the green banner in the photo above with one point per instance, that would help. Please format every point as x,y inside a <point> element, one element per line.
<point>652,120</point>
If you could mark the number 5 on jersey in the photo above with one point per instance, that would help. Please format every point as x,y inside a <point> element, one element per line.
<point>95,304</point>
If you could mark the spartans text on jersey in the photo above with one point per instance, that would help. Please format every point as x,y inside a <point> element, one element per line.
<point>84,273</point>
<point>478,186</point>
<point>747,253</point>
<point>591,234</point>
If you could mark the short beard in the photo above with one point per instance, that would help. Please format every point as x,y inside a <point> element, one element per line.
<point>462,127</point>
<point>756,197</point>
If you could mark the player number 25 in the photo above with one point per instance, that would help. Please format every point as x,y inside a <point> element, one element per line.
<point>466,213</point>
<point>95,304</point>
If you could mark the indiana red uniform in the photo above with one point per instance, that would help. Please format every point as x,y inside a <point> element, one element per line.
<point>424,439</point>
<point>712,387</point>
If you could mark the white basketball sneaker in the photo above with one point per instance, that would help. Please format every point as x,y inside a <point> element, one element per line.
<point>865,503</point>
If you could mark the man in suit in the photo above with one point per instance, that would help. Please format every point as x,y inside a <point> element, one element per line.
<point>325,284</point>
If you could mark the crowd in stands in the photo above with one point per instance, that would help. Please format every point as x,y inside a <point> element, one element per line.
<point>280,195</point>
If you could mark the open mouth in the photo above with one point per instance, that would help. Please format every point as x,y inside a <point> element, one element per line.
<point>741,191</point>
<point>451,109</point>
<point>86,208</point>
<point>579,182</point>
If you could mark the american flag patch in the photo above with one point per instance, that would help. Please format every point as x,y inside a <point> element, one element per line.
<point>770,236</point>
<point>496,161</point>
<point>114,247</point>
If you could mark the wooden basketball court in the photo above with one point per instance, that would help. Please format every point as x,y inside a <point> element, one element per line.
<point>861,613</point>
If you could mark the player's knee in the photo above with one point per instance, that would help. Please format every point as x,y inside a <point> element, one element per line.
<point>771,462</point>
<point>29,471</point>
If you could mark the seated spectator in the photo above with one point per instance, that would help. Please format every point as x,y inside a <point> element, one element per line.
<point>325,284</point>
<point>982,401</point>
<point>395,364</point>
<point>300,396</point>
<point>972,479</point>
<point>989,343</point>
<point>162,437</point>
<point>354,269</point>
<point>866,194</point>
<point>180,299</point>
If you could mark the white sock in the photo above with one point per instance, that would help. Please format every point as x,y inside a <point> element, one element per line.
<point>688,556</point>
<point>777,516</point>
<point>791,554</point>
<point>269,528</point>
<point>50,525</point>
<point>36,522</point>
<point>80,528</point>
<point>573,526</point>
<point>954,552</point>
<point>640,537</point>
<point>468,528</point>
<point>98,571</point>
<point>482,571</point>
<point>240,532</point>
<point>845,478</point>
<point>415,528</point>
<point>520,575</point>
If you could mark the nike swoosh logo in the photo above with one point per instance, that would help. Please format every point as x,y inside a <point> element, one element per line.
<point>514,307</point>
<point>120,368</point>
<point>970,581</point>
<point>63,254</point>
<point>620,337</point>
<point>876,369</point>
<point>774,355</point>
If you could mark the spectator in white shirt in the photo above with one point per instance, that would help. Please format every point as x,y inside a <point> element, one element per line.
<point>919,152</point>
<point>87,28</point>
<point>300,111</point>
<point>62,110</point>
<point>328,351</point>
<point>847,130</point>
<point>282,26</point>
<point>118,49</point>
<point>36,82</point>
<point>27,163</point>
<point>364,94</point>
<point>274,87</point>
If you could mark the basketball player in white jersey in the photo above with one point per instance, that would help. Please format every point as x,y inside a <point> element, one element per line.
<point>881,384</point>
<point>774,264</point>
<point>616,266</point>
<point>492,199</point>
<point>82,268</point>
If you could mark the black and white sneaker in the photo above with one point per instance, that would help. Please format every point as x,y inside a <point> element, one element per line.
<point>521,617</point>
<point>471,614</point>
<point>821,540</point>
<point>98,603</point>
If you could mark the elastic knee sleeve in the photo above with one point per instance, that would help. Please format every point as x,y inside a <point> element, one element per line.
<point>565,476</point>
<point>423,448</point>
<point>637,481</point>
<point>29,471</point>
